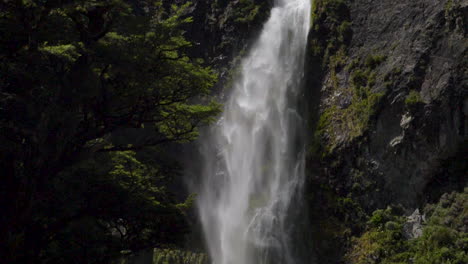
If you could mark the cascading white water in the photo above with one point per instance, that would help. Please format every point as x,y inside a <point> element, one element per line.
<point>255,166</point>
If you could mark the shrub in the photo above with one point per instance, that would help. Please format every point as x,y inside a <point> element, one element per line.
<point>442,242</point>
<point>372,61</point>
<point>413,98</point>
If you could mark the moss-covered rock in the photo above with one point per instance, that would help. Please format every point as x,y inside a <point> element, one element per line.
<point>387,113</point>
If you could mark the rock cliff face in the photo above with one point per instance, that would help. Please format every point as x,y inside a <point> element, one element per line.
<point>388,96</point>
<point>222,29</point>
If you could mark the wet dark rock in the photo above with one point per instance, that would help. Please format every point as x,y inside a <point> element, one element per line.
<point>222,27</point>
<point>414,146</point>
<point>424,52</point>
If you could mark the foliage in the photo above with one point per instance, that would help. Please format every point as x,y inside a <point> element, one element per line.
<point>330,29</point>
<point>330,34</point>
<point>391,78</point>
<point>413,98</point>
<point>166,256</point>
<point>444,238</point>
<point>364,104</point>
<point>372,61</point>
<point>178,257</point>
<point>331,18</point>
<point>123,201</point>
<point>454,16</point>
<point>87,87</point>
<point>317,149</point>
<point>247,12</point>
<point>355,119</point>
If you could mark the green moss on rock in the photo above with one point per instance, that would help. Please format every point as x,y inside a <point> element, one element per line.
<point>351,122</point>
<point>413,98</point>
<point>372,61</point>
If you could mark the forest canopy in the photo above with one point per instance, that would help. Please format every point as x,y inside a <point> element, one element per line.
<point>92,93</point>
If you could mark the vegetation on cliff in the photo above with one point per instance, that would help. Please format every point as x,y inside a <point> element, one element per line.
<point>443,239</point>
<point>379,115</point>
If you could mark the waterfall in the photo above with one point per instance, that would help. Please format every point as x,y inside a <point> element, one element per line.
<point>254,167</point>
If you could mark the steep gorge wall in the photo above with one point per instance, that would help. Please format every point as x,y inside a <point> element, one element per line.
<point>388,98</point>
<point>387,95</point>
<point>223,29</point>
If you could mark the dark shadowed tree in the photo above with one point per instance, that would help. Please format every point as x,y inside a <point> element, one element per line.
<point>90,91</point>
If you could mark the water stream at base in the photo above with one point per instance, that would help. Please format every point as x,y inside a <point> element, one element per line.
<point>254,169</point>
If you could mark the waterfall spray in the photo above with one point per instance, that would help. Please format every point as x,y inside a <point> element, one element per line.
<point>255,160</point>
